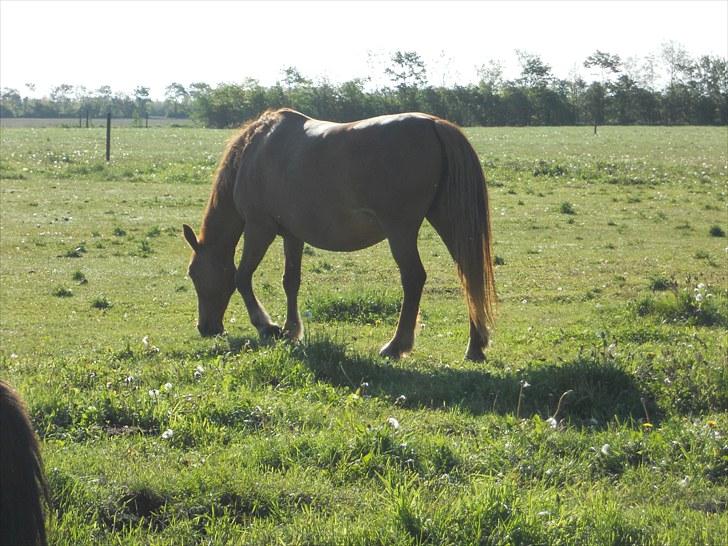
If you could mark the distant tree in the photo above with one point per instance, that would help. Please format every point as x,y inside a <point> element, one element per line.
<point>406,70</point>
<point>609,65</point>
<point>61,95</point>
<point>176,95</point>
<point>11,103</point>
<point>676,61</point>
<point>293,78</point>
<point>141,99</point>
<point>490,76</point>
<point>534,72</point>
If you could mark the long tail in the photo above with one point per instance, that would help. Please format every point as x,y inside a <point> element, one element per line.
<point>461,216</point>
<point>23,486</point>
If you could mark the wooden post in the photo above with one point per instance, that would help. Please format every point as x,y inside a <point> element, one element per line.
<point>108,136</point>
<point>86,118</point>
<point>146,121</point>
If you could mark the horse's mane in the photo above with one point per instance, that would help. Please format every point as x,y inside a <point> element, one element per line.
<point>239,143</point>
<point>22,482</point>
<point>227,170</point>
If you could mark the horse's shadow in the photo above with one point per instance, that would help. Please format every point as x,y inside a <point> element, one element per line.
<point>599,389</point>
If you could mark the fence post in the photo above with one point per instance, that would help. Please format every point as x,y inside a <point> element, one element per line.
<point>108,136</point>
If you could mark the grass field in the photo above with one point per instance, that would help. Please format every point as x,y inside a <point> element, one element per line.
<point>613,298</point>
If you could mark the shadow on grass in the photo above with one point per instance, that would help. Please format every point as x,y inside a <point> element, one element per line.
<point>601,390</point>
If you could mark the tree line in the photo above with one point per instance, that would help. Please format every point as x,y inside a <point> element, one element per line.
<point>669,88</point>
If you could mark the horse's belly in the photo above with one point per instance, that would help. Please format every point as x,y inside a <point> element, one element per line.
<point>349,231</point>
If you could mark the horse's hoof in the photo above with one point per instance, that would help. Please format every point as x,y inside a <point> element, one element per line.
<point>272,331</point>
<point>390,350</point>
<point>294,334</point>
<point>475,355</point>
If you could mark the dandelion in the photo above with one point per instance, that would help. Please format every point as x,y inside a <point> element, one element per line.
<point>553,423</point>
<point>167,387</point>
<point>199,370</point>
<point>401,399</point>
<point>153,394</point>
<point>393,423</point>
<point>712,423</point>
<point>647,427</point>
<point>129,379</point>
<point>605,450</point>
<point>167,434</point>
<point>525,384</point>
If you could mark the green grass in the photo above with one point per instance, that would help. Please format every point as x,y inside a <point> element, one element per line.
<point>152,435</point>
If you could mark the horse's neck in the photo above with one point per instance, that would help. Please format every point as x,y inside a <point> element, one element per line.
<point>222,225</point>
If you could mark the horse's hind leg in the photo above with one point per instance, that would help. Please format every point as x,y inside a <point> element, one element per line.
<point>293,249</point>
<point>255,245</point>
<point>412,273</point>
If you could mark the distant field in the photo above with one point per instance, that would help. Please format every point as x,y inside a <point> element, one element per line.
<point>613,296</point>
<point>37,123</point>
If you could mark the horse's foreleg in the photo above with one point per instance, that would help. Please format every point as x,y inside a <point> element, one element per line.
<point>255,245</point>
<point>293,249</point>
<point>412,273</point>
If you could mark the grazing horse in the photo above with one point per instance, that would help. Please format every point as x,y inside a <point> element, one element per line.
<point>344,187</point>
<point>22,482</point>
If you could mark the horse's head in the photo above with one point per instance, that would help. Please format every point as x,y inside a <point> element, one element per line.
<point>213,275</point>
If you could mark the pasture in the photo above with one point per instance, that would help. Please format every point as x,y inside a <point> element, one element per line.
<point>600,416</point>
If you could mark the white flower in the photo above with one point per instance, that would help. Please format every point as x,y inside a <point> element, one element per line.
<point>701,286</point>
<point>167,434</point>
<point>129,379</point>
<point>553,423</point>
<point>698,297</point>
<point>145,342</point>
<point>153,393</point>
<point>199,370</point>
<point>401,399</point>
<point>167,387</point>
<point>606,448</point>
<point>525,384</point>
<point>392,422</point>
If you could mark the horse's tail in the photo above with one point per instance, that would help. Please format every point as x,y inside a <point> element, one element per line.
<point>461,216</point>
<point>23,487</point>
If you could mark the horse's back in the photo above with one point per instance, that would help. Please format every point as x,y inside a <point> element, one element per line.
<point>346,185</point>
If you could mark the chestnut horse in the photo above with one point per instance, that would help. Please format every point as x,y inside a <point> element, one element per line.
<point>23,488</point>
<point>344,187</point>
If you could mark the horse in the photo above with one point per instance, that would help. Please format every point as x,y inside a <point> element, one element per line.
<point>344,187</point>
<point>23,487</point>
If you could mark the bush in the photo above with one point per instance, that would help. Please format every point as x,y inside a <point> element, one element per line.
<point>567,208</point>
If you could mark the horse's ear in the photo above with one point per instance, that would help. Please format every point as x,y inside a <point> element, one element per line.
<point>191,237</point>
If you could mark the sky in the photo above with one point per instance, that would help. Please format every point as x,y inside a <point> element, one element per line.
<point>125,44</point>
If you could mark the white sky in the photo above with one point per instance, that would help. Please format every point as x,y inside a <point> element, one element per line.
<point>129,43</point>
